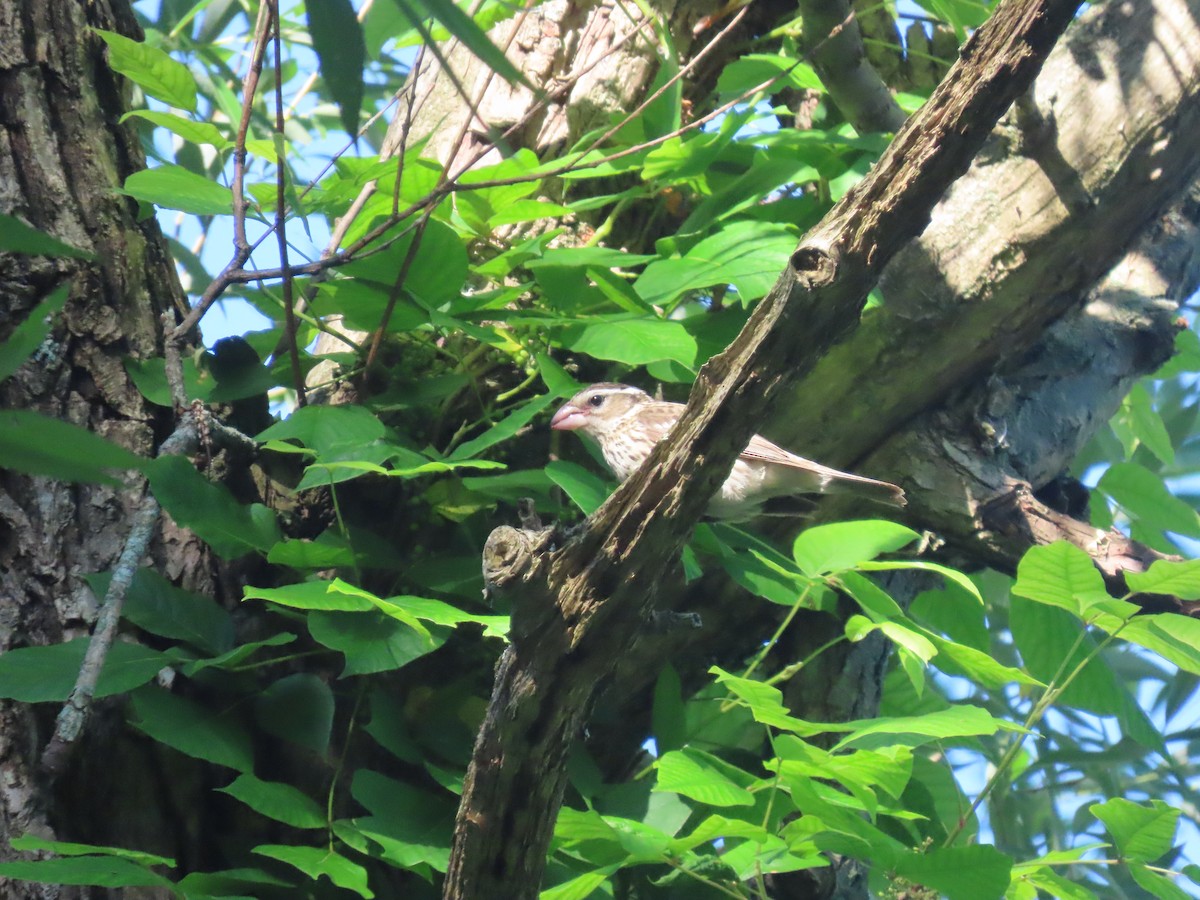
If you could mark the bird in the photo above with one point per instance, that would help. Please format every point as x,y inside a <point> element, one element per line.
<point>627,422</point>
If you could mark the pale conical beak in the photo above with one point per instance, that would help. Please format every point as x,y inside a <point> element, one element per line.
<point>568,418</point>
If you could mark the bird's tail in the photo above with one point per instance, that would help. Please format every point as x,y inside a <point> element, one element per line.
<point>868,488</point>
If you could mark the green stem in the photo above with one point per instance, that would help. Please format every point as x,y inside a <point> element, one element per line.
<point>1053,691</point>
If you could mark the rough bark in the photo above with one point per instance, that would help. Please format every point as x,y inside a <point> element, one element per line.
<point>582,605</point>
<point>62,159</point>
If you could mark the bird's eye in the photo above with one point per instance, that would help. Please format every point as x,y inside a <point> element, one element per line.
<point>595,400</point>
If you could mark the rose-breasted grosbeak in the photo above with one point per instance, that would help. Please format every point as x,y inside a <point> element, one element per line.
<point>627,422</point>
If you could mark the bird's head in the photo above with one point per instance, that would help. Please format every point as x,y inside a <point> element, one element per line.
<point>599,408</point>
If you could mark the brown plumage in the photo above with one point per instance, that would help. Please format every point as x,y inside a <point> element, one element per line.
<point>627,422</point>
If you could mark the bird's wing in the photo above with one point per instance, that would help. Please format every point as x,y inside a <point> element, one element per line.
<point>659,417</point>
<point>812,476</point>
<point>763,450</point>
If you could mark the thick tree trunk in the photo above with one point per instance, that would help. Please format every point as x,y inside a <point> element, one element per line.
<point>62,160</point>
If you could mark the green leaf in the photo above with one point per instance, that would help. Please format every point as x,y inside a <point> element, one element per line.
<point>154,71</point>
<point>1186,358</point>
<point>1062,575</point>
<point>337,38</point>
<point>765,702</point>
<point>1174,637</point>
<point>188,727</point>
<point>17,237</point>
<point>844,545</point>
<point>100,871</point>
<point>668,716</point>
<point>980,872</point>
<point>231,529</point>
<point>327,429</point>
<point>748,255</point>
<point>1053,884</point>
<point>753,69</point>
<point>277,801</point>
<point>237,655</point>
<point>716,827</point>
<point>435,277</point>
<point>30,842</point>
<point>581,886</point>
<point>415,826</point>
<point>310,595</point>
<point>918,565</point>
<point>764,577</point>
<point>1178,579</point>
<point>1143,495</point>
<point>960,720</point>
<point>155,605</point>
<point>963,660</point>
<point>43,674</point>
<point>1051,643</point>
<point>873,599</point>
<point>1156,883</point>
<point>38,445</point>
<point>633,342</point>
<point>1142,833</point>
<point>587,491</point>
<point>371,642</point>
<point>174,187</point>
<point>691,773</point>
<point>1138,422</point>
<point>328,551</point>
<point>317,861</point>
<point>150,377</point>
<point>31,333</point>
<point>191,131</point>
<point>229,883</point>
<point>297,708</point>
<point>504,429</point>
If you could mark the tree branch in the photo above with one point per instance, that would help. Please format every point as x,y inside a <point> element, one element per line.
<point>834,43</point>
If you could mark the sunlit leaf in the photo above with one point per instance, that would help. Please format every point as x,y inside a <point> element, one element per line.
<point>959,873</point>
<point>634,342</point>
<point>689,773</point>
<point>1178,579</point>
<point>188,129</point>
<point>843,545</point>
<point>1141,832</point>
<point>1062,575</point>
<point>1143,494</point>
<point>154,71</point>
<point>174,187</point>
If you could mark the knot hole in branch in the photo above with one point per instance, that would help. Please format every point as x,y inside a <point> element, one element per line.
<point>813,266</point>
